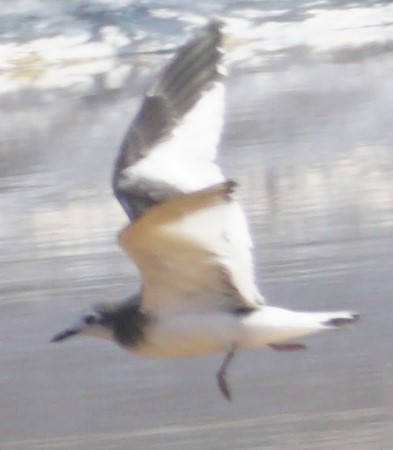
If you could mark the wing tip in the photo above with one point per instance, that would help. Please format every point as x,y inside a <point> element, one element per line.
<point>221,190</point>
<point>230,186</point>
<point>174,93</point>
<point>215,26</point>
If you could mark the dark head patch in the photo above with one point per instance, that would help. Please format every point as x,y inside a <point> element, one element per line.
<point>129,325</point>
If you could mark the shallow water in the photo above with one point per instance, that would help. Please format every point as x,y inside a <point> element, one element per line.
<point>309,139</point>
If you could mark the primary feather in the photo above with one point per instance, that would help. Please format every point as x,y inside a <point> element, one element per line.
<point>171,145</point>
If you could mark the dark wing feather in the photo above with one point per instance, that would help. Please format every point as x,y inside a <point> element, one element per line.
<point>191,72</point>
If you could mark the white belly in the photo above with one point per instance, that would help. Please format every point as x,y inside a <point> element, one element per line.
<point>189,334</point>
<point>197,333</point>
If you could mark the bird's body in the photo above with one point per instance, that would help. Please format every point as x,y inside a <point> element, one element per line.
<point>183,334</point>
<point>187,234</point>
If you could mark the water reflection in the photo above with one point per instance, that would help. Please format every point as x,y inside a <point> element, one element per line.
<point>314,167</point>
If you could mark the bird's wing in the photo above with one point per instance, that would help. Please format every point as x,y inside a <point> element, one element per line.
<point>171,145</point>
<point>193,253</point>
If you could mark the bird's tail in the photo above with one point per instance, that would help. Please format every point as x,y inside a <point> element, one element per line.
<point>339,319</point>
<point>284,325</point>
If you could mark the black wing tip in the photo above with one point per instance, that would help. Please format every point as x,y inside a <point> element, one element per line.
<point>230,186</point>
<point>192,71</point>
<point>221,190</point>
<point>214,25</point>
<point>214,32</point>
<point>206,38</point>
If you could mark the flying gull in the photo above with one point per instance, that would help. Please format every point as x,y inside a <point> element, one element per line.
<point>187,234</point>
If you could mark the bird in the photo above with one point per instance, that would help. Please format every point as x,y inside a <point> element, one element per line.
<point>186,231</point>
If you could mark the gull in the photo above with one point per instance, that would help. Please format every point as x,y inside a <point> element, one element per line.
<point>187,233</point>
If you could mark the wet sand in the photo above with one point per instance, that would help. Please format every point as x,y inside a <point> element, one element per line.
<point>311,148</point>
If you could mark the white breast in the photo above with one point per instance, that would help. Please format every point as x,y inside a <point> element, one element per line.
<point>200,333</point>
<point>190,334</point>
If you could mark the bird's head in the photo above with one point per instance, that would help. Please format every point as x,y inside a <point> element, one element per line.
<point>98,322</point>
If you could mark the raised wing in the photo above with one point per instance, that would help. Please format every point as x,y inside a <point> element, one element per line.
<point>193,253</point>
<point>172,143</point>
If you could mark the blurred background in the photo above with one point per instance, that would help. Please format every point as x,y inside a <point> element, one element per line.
<point>309,137</point>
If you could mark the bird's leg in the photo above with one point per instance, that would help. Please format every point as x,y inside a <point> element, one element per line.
<point>221,375</point>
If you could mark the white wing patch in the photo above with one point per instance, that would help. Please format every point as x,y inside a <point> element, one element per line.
<point>185,159</point>
<point>193,255</point>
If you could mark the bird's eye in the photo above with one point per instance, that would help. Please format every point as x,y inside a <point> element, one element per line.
<point>90,319</point>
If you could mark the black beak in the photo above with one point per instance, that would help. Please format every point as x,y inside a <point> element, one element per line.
<point>65,334</point>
